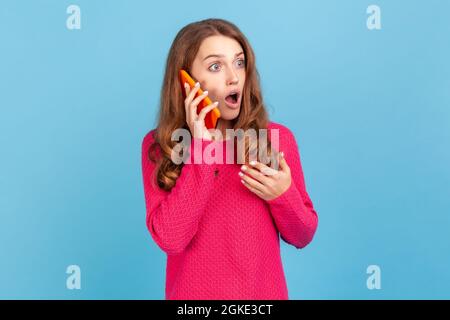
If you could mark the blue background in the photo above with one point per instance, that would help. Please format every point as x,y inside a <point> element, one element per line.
<point>370,110</point>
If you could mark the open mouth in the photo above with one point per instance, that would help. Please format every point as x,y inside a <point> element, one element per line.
<point>232,98</point>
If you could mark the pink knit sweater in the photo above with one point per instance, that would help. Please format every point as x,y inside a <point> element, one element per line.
<point>221,239</point>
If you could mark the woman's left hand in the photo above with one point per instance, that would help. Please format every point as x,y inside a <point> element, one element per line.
<point>264,181</point>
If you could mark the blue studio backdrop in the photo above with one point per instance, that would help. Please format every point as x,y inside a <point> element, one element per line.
<point>363,85</point>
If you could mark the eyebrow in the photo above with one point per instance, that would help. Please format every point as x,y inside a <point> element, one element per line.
<point>221,55</point>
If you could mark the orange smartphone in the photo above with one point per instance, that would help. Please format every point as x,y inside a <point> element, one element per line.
<point>212,116</point>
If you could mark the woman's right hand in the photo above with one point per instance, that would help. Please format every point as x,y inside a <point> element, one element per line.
<point>196,122</point>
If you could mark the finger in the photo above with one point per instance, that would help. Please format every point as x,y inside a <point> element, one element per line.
<point>191,106</point>
<point>206,109</point>
<point>283,164</point>
<point>192,92</point>
<point>187,88</point>
<point>252,182</point>
<point>189,109</point>
<point>197,100</point>
<point>265,170</point>
<point>252,189</point>
<point>255,174</point>
<point>188,91</point>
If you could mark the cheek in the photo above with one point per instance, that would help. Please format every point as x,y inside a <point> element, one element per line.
<point>213,95</point>
<point>213,91</point>
<point>242,75</point>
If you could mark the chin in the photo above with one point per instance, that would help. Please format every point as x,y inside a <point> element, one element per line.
<point>230,114</point>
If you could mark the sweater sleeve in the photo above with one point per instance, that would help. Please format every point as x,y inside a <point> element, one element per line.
<point>293,210</point>
<point>173,217</point>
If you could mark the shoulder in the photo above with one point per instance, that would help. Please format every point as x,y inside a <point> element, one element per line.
<point>149,137</point>
<point>284,139</point>
<point>150,150</point>
<point>283,131</point>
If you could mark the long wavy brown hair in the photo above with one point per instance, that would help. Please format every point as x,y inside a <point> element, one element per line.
<point>172,115</point>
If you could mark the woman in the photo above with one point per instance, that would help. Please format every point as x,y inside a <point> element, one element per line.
<point>220,223</point>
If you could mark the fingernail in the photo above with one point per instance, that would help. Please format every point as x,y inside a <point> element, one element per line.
<point>216,103</point>
<point>240,173</point>
<point>205,92</point>
<point>197,84</point>
<point>185,84</point>
<point>244,167</point>
<point>253,162</point>
<point>282,154</point>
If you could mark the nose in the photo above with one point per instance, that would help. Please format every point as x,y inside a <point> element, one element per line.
<point>232,78</point>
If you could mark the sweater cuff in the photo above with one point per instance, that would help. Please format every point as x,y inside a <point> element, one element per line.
<point>285,197</point>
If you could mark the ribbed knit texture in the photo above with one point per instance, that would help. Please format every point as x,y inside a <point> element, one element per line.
<point>221,239</point>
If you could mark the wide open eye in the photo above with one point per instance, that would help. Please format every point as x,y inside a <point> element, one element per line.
<point>214,69</point>
<point>240,63</point>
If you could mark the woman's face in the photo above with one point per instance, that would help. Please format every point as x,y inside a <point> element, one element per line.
<point>219,66</point>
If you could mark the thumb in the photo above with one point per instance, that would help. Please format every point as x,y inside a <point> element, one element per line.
<point>283,164</point>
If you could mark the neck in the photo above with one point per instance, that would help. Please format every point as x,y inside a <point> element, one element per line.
<point>223,125</point>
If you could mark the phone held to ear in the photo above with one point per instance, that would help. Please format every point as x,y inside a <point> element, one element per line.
<point>212,116</point>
